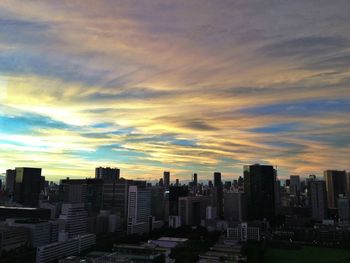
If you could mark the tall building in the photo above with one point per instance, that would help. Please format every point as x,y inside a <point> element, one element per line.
<point>317,199</point>
<point>294,185</point>
<point>336,184</point>
<point>27,186</point>
<point>139,210</point>
<point>166,178</point>
<point>74,217</point>
<point>174,193</point>
<point>344,209</point>
<point>217,179</point>
<point>235,206</point>
<point>107,173</point>
<point>259,184</point>
<point>192,209</point>
<point>218,196</point>
<point>86,191</point>
<point>195,179</point>
<point>10,180</point>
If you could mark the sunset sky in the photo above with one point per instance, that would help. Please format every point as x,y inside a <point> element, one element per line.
<point>185,86</point>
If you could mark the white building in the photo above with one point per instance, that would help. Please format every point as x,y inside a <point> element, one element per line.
<point>243,233</point>
<point>139,210</point>
<point>53,252</point>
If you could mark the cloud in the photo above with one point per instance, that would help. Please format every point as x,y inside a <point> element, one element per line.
<point>187,86</point>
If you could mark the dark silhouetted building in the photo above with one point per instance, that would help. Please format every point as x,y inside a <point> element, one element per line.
<point>27,186</point>
<point>107,173</point>
<point>317,199</point>
<point>195,179</point>
<point>259,184</point>
<point>174,193</point>
<point>166,179</point>
<point>235,204</point>
<point>218,195</point>
<point>24,212</point>
<point>336,185</point>
<point>10,180</point>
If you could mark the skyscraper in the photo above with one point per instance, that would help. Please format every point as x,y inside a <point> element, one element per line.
<point>166,178</point>
<point>195,179</point>
<point>294,185</point>
<point>10,180</point>
<point>336,184</point>
<point>219,194</point>
<point>317,199</point>
<point>174,193</point>
<point>107,173</point>
<point>27,186</point>
<point>259,184</point>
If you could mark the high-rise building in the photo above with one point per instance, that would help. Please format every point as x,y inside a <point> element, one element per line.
<point>10,180</point>
<point>217,179</point>
<point>336,184</point>
<point>74,217</point>
<point>259,185</point>
<point>294,185</point>
<point>166,178</point>
<point>139,210</point>
<point>174,193</point>
<point>195,179</point>
<point>87,191</point>
<point>192,209</point>
<point>344,209</point>
<point>27,186</point>
<point>107,173</point>
<point>218,196</point>
<point>317,199</point>
<point>235,206</point>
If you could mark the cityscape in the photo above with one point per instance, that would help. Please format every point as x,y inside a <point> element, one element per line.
<point>175,131</point>
<point>107,218</point>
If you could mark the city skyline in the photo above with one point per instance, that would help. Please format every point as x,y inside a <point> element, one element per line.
<point>174,86</point>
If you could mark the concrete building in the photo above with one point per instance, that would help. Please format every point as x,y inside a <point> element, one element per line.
<point>27,186</point>
<point>259,186</point>
<point>294,185</point>
<point>74,218</point>
<point>107,173</point>
<point>344,209</point>
<point>13,237</point>
<point>243,233</point>
<point>192,209</point>
<point>74,246</point>
<point>235,206</point>
<point>336,184</point>
<point>39,231</point>
<point>317,199</point>
<point>166,178</point>
<point>139,210</point>
<point>10,180</point>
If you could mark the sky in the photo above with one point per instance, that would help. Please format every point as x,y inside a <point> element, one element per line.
<point>185,86</point>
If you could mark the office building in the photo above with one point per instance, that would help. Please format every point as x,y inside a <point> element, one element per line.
<point>174,193</point>
<point>317,199</point>
<point>235,206</point>
<point>74,218</point>
<point>12,237</point>
<point>10,180</point>
<point>166,178</point>
<point>336,184</point>
<point>139,210</point>
<point>243,233</point>
<point>86,191</point>
<point>344,209</point>
<point>218,195</point>
<point>74,246</point>
<point>294,185</point>
<point>39,231</point>
<point>107,173</point>
<point>195,179</point>
<point>27,186</point>
<point>259,186</point>
<point>192,209</point>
